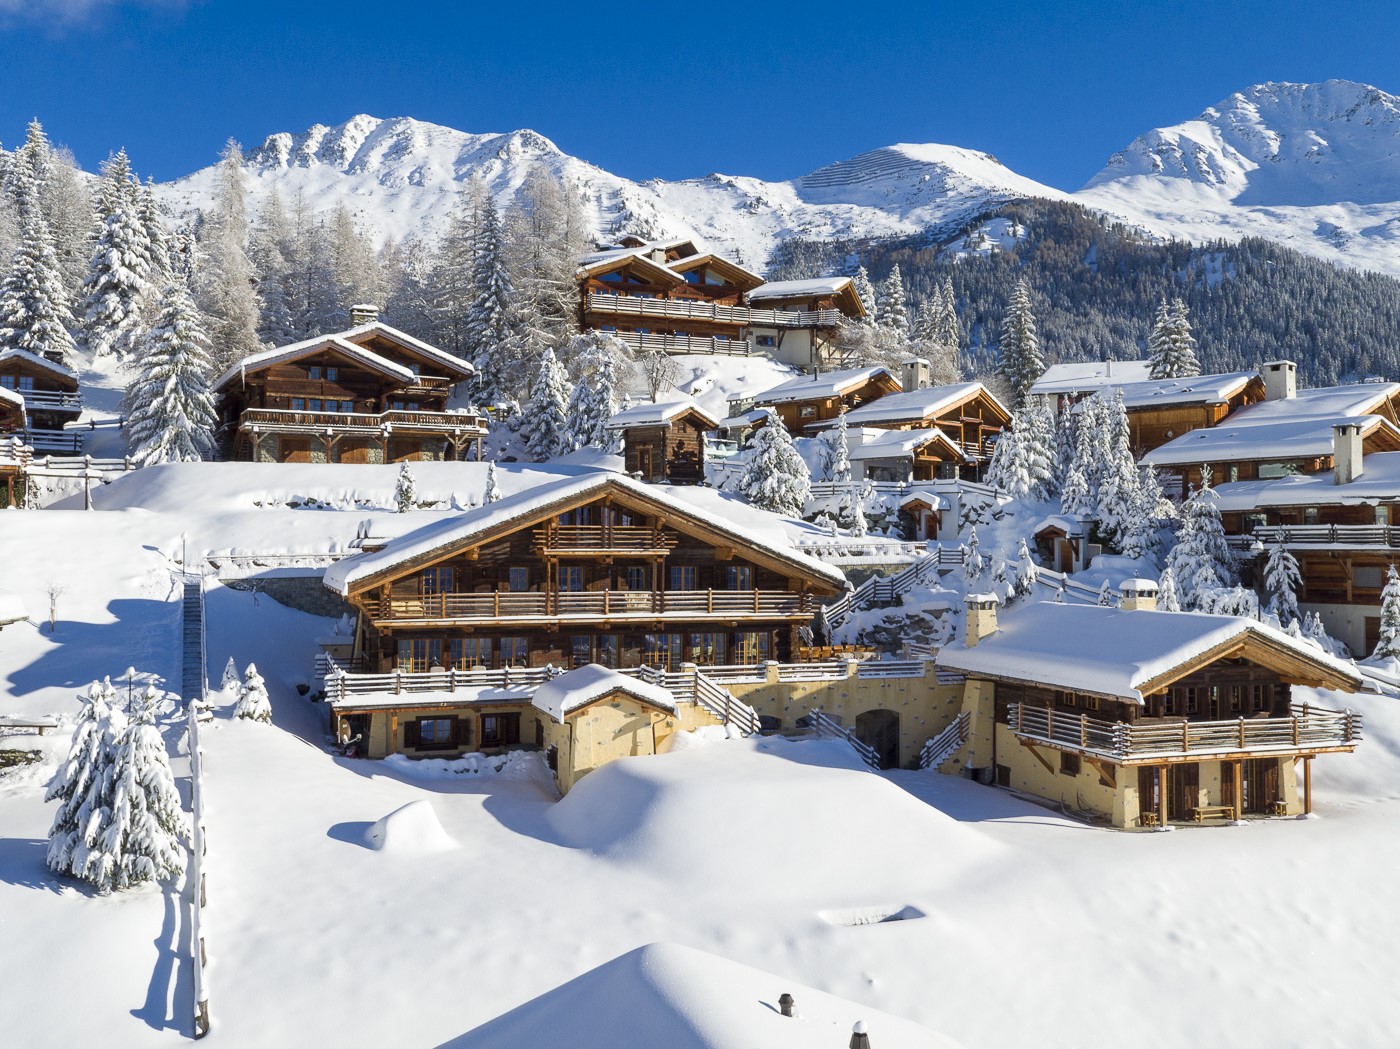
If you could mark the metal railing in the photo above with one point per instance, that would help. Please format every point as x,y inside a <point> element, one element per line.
<point>690,309</point>
<point>944,745</point>
<point>1306,728</point>
<point>826,728</point>
<point>612,604</point>
<point>54,440</point>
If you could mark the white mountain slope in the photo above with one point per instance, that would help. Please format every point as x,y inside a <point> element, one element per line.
<point>404,176</point>
<point>1313,166</point>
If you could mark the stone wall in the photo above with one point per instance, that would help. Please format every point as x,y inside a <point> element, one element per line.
<point>304,593</point>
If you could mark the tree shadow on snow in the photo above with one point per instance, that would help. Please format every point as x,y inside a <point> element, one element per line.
<point>23,862</point>
<point>169,1003</point>
<point>146,635</point>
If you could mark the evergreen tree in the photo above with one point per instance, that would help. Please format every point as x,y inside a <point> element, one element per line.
<point>1167,600</point>
<point>1027,571</point>
<point>1106,595</point>
<point>224,285</point>
<point>34,313</point>
<point>119,278</point>
<point>230,678</point>
<point>157,237</point>
<point>405,490</point>
<point>1118,495</point>
<point>1171,347</point>
<point>490,320</point>
<point>860,527</point>
<point>893,314</point>
<point>170,409</point>
<point>1021,360</point>
<point>253,703</point>
<point>1007,470</point>
<point>492,491</point>
<point>597,357</point>
<point>1388,644</point>
<point>546,419</point>
<point>865,291</point>
<point>1281,581</point>
<point>775,477</point>
<point>1159,340</point>
<point>1200,562</point>
<point>974,564</point>
<point>63,198</point>
<point>81,786</point>
<point>841,449</point>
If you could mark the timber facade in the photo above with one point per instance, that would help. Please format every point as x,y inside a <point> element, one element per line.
<point>51,401</point>
<point>664,443</point>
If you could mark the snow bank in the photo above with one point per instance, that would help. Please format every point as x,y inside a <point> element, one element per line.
<point>411,829</point>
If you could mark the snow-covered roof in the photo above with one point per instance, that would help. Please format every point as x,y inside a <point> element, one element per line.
<point>659,413</point>
<point>1379,481</point>
<point>282,354</point>
<point>890,444</point>
<point>1088,376</point>
<point>1273,438</point>
<point>825,385</point>
<point>1198,389</point>
<point>1320,402</point>
<point>917,404</point>
<point>640,256</point>
<point>443,536</point>
<point>12,608</point>
<point>1070,524</point>
<point>664,994</point>
<point>795,289</point>
<point>1112,652</point>
<point>748,418</point>
<point>11,397</point>
<point>15,353</point>
<point>568,692</point>
<point>932,500</point>
<point>461,697</point>
<point>393,334</point>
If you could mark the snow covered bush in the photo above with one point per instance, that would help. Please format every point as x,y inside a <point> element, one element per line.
<point>405,490</point>
<point>493,489</point>
<point>253,703</point>
<point>775,477</point>
<point>81,786</point>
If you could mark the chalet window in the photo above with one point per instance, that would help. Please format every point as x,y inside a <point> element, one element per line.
<point>662,650</point>
<point>1257,696</point>
<point>332,374</point>
<point>518,579</point>
<point>1169,703</point>
<point>766,340</point>
<point>26,382</point>
<point>1309,515</point>
<point>298,404</point>
<point>737,577</point>
<point>570,578</point>
<point>468,652</point>
<point>1366,577</point>
<point>313,404</point>
<point>432,733</point>
<point>313,372</point>
<point>708,648</point>
<point>1091,702</point>
<point>416,654</point>
<point>693,277</point>
<point>1192,701</point>
<point>1069,764</point>
<point>499,729</point>
<point>1382,515</point>
<point>437,580</point>
<point>606,651</point>
<point>1236,698</point>
<point>404,406</point>
<point>612,278</point>
<point>347,406</point>
<point>638,577</point>
<point>683,577</point>
<point>514,652</point>
<point>7,381</point>
<point>580,650</point>
<point>807,411</point>
<point>751,646</point>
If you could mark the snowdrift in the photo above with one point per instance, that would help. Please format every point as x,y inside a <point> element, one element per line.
<point>681,998</point>
<point>411,829</point>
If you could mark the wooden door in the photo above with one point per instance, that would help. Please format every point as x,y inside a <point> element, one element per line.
<point>294,449</point>
<point>1261,788</point>
<point>1227,783</point>
<point>1183,785</point>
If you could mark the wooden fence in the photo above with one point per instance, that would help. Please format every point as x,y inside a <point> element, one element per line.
<point>942,746</point>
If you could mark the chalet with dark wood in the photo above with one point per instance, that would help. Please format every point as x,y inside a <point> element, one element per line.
<point>811,402</point>
<point>966,412</point>
<point>664,442</point>
<point>903,455</point>
<point>14,453</point>
<point>1139,717</point>
<point>599,569</point>
<point>51,400</point>
<point>372,394</point>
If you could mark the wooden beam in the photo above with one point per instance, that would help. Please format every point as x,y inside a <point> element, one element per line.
<point>1038,755</point>
<point>1107,772</point>
<point>1238,767</point>
<point>1161,795</point>
<point>1307,786</point>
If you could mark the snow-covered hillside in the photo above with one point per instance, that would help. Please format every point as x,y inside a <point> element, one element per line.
<point>1313,166</point>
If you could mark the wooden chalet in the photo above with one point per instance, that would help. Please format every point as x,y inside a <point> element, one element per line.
<point>967,413</point>
<point>664,442</point>
<point>51,400</point>
<point>811,402</point>
<point>797,321</point>
<point>371,394</point>
<point>1140,717</point>
<point>1162,409</point>
<point>599,569</point>
<point>904,455</point>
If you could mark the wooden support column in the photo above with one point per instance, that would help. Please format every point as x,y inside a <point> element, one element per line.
<point>393,746</point>
<point>1239,788</point>
<point>1307,785</point>
<point>1162,796</point>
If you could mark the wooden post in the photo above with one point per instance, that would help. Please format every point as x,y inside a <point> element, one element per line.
<point>1239,788</point>
<point>1307,786</point>
<point>1162,796</point>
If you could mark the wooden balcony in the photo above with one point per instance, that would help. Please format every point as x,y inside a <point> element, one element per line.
<point>689,309</point>
<point>1310,730</point>
<point>51,401</point>
<point>68,442</point>
<point>1329,535</point>
<point>556,540</point>
<point>685,344</point>
<point>593,607</point>
<point>280,420</point>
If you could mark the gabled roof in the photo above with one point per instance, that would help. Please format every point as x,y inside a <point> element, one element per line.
<point>742,278</point>
<point>1272,438</point>
<point>842,288</point>
<point>661,413</point>
<point>1379,482</point>
<point>894,444</point>
<point>578,688</point>
<point>1129,654</point>
<point>53,367</point>
<point>298,350</point>
<point>484,524</point>
<point>415,347</point>
<point>1198,389</point>
<point>639,258</point>
<point>1088,376</point>
<point>824,386</point>
<point>916,405</point>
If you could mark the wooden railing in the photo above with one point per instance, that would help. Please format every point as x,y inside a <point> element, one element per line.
<point>689,309</point>
<point>826,728</point>
<point>685,344</point>
<point>1306,728</point>
<point>612,604</point>
<point>942,747</point>
<point>55,440</point>
<point>398,418</point>
<point>1328,534</point>
<point>554,538</point>
<point>51,401</point>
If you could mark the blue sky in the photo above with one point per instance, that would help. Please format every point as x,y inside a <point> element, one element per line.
<point>767,89</point>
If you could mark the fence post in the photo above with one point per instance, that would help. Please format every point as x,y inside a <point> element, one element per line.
<point>197,850</point>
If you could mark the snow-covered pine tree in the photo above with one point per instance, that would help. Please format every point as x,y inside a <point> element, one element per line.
<point>597,358</point>
<point>64,200</point>
<point>1007,471</point>
<point>492,491</point>
<point>865,291</point>
<point>1167,600</point>
<point>81,784</point>
<point>34,314</point>
<point>1281,581</point>
<point>775,477</point>
<point>1027,571</point>
<point>841,449</point>
<point>1037,448</point>
<point>1200,562</point>
<point>545,418</point>
<point>140,835</point>
<point>1388,644</point>
<point>1159,344</point>
<point>491,323</point>
<point>269,248</point>
<point>224,284</point>
<point>1106,595</point>
<point>1117,500</point>
<point>405,490</point>
<point>974,564</point>
<point>1022,362</point>
<point>119,277</point>
<point>860,526</point>
<point>170,409</point>
<point>1184,362</point>
<point>157,236</point>
<point>230,678</point>
<point>253,703</point>
<point>892,313</point>
<point>1079,491</point>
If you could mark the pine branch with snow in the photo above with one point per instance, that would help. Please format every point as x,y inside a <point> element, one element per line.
<point>405,490</point>
<point>1282,578</point>
<point>253,703</point>
<point>775,477</point>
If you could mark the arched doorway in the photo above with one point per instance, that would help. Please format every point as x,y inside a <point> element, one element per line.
<point>879,730</point>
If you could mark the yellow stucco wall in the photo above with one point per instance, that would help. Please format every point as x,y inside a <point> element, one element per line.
<point>615,727</point>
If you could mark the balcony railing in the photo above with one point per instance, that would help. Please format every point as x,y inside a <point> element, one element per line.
<point>286,419</point>
<point>1307,728</point>
<point>604,302</point>
<point>601,539</point>
<point>1329,535</point>
<point>51,401</point>
<point>69,442</point>
<point>583,605</point>
<point>685,344</point>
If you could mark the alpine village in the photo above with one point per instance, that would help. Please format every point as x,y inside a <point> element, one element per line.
<point>558,529</point>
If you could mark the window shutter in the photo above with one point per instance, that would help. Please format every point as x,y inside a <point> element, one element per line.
<point>410,734</point>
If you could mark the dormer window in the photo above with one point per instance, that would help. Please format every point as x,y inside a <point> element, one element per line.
<point>693,277</point>
<point>332,374</point>
<point>313,372</point>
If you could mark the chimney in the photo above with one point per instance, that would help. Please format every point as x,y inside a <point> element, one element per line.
<point>1138,595</point>
<point>1280,380</point>
<point>981,618</point>
<point>1346,453</point>
<point>363,313</point>
<point>658,255</point>
<point>917,373</point>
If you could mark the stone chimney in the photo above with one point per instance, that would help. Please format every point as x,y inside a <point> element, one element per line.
<point>916,374</point>
<point>1280,380</point>
<point>363,313</point>
<point>1346,452</point>
<point>1138,595</point>
<point>981,619</point>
